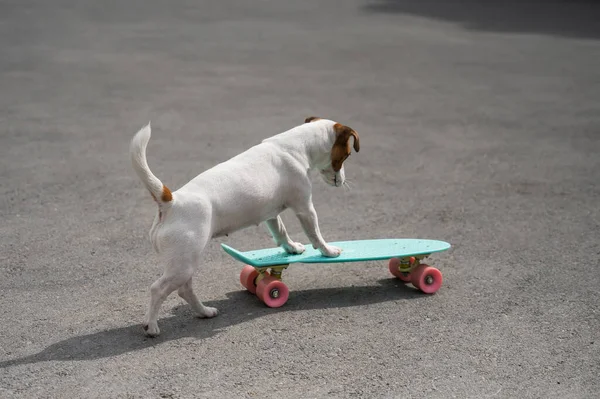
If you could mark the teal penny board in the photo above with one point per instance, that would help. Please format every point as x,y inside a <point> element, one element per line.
<point>352,251</point>
<point>264,267</point>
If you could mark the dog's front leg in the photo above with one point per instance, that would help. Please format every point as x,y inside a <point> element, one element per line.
<point>282,238</point>
<point>310,223</point>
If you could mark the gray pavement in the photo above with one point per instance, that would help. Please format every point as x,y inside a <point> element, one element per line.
<point>479,124</point>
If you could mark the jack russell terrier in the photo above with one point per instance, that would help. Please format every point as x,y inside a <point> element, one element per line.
<point>252,187</point>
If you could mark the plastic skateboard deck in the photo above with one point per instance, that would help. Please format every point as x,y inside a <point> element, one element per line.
<point>262,275</point>
<point>352,251</point>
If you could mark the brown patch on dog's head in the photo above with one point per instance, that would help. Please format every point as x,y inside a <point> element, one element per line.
<point>166,194</point>
<point>312,119</point>
<point>341,148</point>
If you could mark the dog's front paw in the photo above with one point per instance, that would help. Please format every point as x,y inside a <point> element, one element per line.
<point>151,329</point>
<point>331,251</point>
<point>208,312</point>
<point>294,248</point>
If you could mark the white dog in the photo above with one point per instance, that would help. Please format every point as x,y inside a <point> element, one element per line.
<point>253,187</point>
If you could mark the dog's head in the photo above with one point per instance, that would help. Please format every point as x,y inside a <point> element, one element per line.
<point>332,166</point>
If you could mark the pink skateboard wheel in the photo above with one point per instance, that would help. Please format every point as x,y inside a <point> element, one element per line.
<point>426,278</point>
<point>273,292</point>
<point>248,277</point>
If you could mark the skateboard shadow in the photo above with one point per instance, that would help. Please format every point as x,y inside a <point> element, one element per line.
<point>239,307</point>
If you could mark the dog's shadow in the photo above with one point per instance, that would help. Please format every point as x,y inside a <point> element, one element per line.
<point>239,307</point>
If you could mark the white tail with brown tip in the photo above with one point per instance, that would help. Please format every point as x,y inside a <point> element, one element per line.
<point>137,150</point>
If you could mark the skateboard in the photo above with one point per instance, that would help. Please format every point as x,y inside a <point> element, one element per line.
<point>264,267</point>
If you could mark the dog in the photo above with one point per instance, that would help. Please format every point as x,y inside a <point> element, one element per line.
<point>250,188</point>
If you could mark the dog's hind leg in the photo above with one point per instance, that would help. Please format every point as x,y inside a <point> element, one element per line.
<point>181,262</point>
<point>281,236</point>
<point>159,291</point>
<point>187,293</point>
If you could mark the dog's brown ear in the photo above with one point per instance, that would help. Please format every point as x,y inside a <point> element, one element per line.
<point>343,134</point>
<point>341,148</point>
<point>311,119</point>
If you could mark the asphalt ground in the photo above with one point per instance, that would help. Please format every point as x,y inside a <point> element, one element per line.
<point>479,125</point>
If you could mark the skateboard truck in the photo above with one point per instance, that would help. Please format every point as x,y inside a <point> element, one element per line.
<point>408,264</point>
<point>276,271</point>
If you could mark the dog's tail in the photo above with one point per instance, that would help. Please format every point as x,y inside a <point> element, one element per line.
<point>137,150</point>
